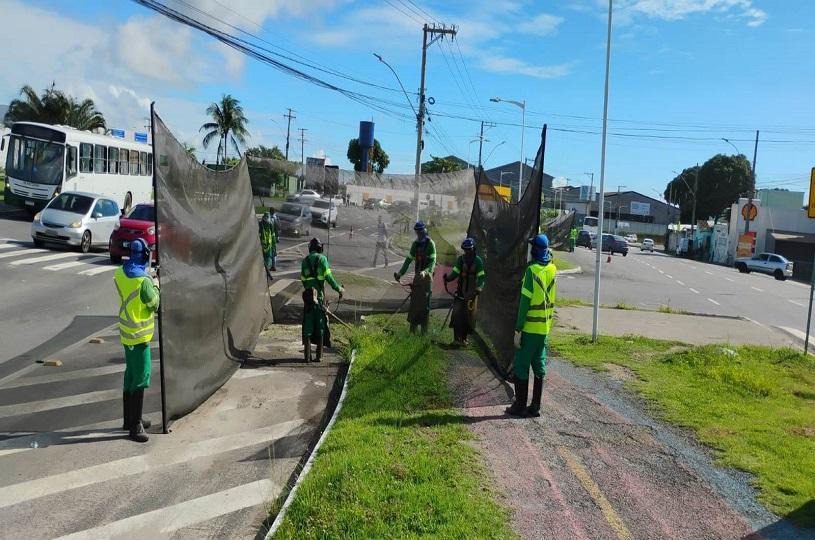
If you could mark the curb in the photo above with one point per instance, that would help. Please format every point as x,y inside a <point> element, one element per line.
<point>578,270</point>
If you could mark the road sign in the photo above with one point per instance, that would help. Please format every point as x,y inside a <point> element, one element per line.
<point>120,133</point>
<point>749,212</point>
<point>811,205</point>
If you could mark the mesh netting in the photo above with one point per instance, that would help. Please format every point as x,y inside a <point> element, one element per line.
<point>214,299</point>
<point>558,230</point>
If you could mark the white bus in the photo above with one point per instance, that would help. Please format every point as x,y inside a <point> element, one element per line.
<point>590,224</point>
<point>43,161</point>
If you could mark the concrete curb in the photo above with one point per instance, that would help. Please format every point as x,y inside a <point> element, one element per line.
<point>578,270</point>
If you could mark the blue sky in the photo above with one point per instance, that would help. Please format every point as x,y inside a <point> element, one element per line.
<point>685,73</point>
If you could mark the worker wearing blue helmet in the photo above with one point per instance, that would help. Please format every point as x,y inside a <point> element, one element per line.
<point>471,277</point>
<point>532,327</point>
<point>423,255</point>
<point>139,301</point>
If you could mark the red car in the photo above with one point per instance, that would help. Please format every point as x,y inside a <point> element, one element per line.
<point>139,223</point>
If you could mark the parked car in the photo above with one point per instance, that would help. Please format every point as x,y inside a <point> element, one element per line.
<point>295,219</point>
<point>631,238</point>
<point>371,203</point>
<point>647,245</point>
<point>584,239</point>
<point>766,263</point>
<point>612,244</point>
<point>76,219</point>
<point>324,211</point>
<point>139,223</point>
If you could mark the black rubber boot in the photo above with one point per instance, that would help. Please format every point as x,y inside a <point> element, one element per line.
<point>534,408</point>
<point>319,355</point>
<point>307,350</point>
<point>136,406</point>
<point>126,411</point>
<point>518,407</point>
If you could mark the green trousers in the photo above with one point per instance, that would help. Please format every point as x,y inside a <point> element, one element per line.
<point>137,367</point>
<point>532,351</point>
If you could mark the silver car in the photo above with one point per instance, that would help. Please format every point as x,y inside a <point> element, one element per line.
<point>295,219</point>
<point>766,263</point>
<point>76,219</point>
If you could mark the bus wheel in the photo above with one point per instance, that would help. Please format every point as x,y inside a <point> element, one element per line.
<point>128,202</point>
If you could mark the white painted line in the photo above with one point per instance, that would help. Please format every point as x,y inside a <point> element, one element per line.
<point>799,334</point>
<point>669,276</point>
<point>279,285</point>
<point>80,262</point>
<point>21,252</point>
<point>756,322</point>
<point>756,289</point>
<point>680,283</point>
<point>796,303</point>
<point>120,468</point>
<point>6,246</point>
<point>570,277</point>
<point>708,273</point>
<point>31,407</point>
<point>695,267</point>
<point>661,272</point>
<point>728,279</point>
<point>693,290</point>
<point>66,376</point>
<point>713,301</point>
<point>94,271</point>
<point>46,258</point>
<point>165,521</point>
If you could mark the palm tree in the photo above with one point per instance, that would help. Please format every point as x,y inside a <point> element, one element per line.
<point>53,107</point>
<point>228,125</point>
<point>190,149</point>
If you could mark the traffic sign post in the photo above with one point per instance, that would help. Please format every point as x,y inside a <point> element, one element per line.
<point>810,213</point>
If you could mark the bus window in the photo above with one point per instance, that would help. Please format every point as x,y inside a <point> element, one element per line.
<point>150,164</point>
<point>70,163</point>
<point>113,160</point>
<point>100,165</point>
<point>123,160</point>
<point>134,162</point>
<point>85,162</point>
<point>143,163</point>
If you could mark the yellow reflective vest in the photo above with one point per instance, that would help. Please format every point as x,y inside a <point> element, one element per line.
<point>136,321</point>
<point>541,290</point>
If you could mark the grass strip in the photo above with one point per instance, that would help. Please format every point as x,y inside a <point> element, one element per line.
<point>398,463</point>
<point>561,262</point>
<point>754,405</point>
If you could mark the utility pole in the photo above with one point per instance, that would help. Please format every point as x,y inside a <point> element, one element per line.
<point>481,140</point>
<point>692,246</point>
<point>290,116</point>
<point>303,156</point>
<point>753,175</point>
<point>435,34</point>
<point>591,191</point>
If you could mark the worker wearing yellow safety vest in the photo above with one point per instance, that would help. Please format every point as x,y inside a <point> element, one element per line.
<point>139,301</point>
<point>532,327</point>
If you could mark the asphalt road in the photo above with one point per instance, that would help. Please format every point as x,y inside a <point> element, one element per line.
<point>650,280</point>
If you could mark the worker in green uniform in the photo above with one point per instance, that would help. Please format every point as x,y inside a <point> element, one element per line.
<point>139,301</point>
<point>532,327</point>
<point>469,271</point>
<point>268,241</point>
<point>423,255</point>
<point>314,273</point>
<point>572,239</point>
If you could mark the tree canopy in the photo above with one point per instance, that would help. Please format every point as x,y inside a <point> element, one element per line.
<point>379,161</point>
<point>722,180</point>
<point>266,152</point>
<point>441,165</point>
<point>53,107</point>
<point>228,125</point>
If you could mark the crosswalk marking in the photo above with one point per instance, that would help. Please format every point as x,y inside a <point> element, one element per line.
<point>80,262</point>
<point>7,246</point>
<point>35,260</point>
<point>94,271</point>
<point>32,407</point>
<point>279,285</point>
<point>21,252</point>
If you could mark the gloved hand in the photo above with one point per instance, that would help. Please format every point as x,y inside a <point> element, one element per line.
<point>397,276</point>
<point>423,274</point>
<point>517,339</point>
<point>477,292</point>
<point>342,291</point>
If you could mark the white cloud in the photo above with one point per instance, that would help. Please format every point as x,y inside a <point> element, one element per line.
<point>498,63</point>
<point>673,10</point>
<point>543,24</point>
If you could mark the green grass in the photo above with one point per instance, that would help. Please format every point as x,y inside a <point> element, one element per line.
<point>2,186</point>
<point>665,308</point>
<point>348,279</point>
<point>567,302</point>
<point>398,462</point>
<point>754,405</point>
<point>561,263</point>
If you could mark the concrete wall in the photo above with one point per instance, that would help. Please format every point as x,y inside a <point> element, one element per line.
<point>768,219</point>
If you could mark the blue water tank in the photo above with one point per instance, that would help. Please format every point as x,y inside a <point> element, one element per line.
<point>366,134</point>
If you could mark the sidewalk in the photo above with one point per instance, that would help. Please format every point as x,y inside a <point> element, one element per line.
<point>692,329</point>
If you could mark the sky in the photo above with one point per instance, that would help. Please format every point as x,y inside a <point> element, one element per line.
<point>684,75</point>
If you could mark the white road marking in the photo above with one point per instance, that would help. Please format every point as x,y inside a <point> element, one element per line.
<point>139,464</point>
<point>728,279</point>
<point>66,376</point>
<point>756,289</point>
<point>796,303</point>
<point>713,301</point>
<point>756,322</point>
<point>31,407</point>
<point>693,290</point>
<point>708,273</point>
<point>680,283</point>
<point>569,277</point>
<point>661,272</point>
<point>6,246</point>
<point>669,276</point>
<point>80,262</point>
<point>695,267</point>
<point>164,521</point>
<point>45,258</point>
<point>799,334</point>
<point>21,252</point>
<point>279,285</point>
<point>94,271</point>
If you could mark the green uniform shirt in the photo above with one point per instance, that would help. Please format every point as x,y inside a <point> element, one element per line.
<point>149,294</point>
<point>428,258</point>
<point>314,272</point>
<point>480,274</point>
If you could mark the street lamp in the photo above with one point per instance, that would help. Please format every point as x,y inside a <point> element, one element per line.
<point>522,105</point>
<point>731,144</point>
<point>493,150</point>
<point>501,178</point>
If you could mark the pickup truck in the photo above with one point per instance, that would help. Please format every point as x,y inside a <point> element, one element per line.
<point>766,263</point>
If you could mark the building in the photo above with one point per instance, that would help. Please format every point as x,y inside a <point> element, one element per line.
<point>507,175</point>
<point>626,212</point>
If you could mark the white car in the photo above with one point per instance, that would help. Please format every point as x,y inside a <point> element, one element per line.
<point>631,238</point>
<point>766,263</point>
<point>647,245</point>
<point>76,219</point>
<point>306,196</point>
<point>324,212</point>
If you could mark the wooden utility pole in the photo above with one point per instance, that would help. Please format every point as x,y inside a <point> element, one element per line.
<point>290,116</point>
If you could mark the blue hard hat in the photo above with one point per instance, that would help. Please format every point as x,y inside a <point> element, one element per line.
<point>139,251</point>
<point>468,243</point>
<point>420,226</point>
<point>540,241</point>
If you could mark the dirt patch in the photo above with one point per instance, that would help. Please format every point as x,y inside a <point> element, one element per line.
<point>808,432</point>
<point>619,373</point>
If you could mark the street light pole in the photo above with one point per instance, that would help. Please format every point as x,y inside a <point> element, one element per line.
<point>494,148</point>
<point>591,191</point>
<point>522,105</point>
<point>617,224</point>
<point>752,176</point>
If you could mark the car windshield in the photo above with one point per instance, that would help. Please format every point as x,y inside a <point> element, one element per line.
<point>143,212</point>
<point>320,204</point>
<point>35,161</point>
<point>291,209</point>
<point>70,202</point>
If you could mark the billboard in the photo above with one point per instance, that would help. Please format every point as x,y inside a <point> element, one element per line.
<point>640,208</point>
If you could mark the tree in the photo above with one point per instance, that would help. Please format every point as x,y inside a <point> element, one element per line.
<point>53,107</point>
<point>190,149</point>
<point>266,152</point>
<point>441,165</point>
<point>228,125</point>
<point>379,160</point>
<point>722,180</point>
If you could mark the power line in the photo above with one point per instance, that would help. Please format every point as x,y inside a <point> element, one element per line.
<point>405,13</point>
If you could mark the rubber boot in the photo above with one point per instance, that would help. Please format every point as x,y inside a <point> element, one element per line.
<point>126,408</point>
<point>413,328</point>
<point>534,408</point>
<point>319,355</point>
<point>518,407</point>
<point>307,350</point>
<point>136,406</point>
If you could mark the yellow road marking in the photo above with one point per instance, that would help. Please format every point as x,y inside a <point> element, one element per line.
<point>594,490</point>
